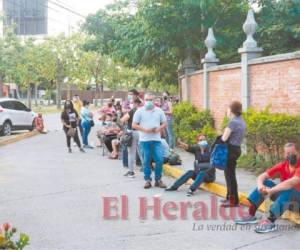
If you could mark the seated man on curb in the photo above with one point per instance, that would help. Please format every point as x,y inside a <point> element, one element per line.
<point>202,171</point>
<point>283,194</point>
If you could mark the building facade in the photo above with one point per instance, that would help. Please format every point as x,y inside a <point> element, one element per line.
<point>25,17</point>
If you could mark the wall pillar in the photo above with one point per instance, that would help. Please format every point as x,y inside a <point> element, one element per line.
<point>248,51</point>
<point>188,66</point>
<point>208,61</point>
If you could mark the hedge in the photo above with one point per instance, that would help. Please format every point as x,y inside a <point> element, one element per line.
<point>188,123</point>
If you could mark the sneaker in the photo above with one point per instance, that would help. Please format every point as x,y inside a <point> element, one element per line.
<point>190,193</point>
<point>127,173</point>
<point>171,189</point>
<point>70,150</point>
<point>147,185</point>
<point>250,219</point>
<point>88,146</point>
<point>160,184</point>
<point>265,226</point>
<point>74,144</point>
<point>131,175</point>
<point>81,150</point>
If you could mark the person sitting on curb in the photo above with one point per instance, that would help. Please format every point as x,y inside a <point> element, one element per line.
<point>202,171</point>
<point>283,194</point>
<point>39,124</point>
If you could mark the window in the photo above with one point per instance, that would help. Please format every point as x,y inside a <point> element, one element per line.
<point>7,105</point>
<point>20,106</point>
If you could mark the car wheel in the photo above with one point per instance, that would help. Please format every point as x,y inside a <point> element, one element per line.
<point>7,128</point>
<point>32,126</point>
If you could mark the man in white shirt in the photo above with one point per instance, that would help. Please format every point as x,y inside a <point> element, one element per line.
<point>150,121</point>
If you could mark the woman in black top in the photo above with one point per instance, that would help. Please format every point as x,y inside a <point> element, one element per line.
<point>70,119</point>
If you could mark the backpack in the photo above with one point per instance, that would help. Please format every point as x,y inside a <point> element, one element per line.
<point>174,159</point>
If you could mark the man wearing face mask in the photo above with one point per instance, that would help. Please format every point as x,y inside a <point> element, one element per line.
<point>284,194</point>
<point>202,171</point>
<point>150,121</point>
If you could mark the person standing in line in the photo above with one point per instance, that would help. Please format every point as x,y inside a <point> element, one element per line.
<point>70,119</point>
<point>166,106</point>
<point>133,149</point>
<point>86,123</point>
<point>77,103</point>
<point>233,134</point>
<point>150,121</point>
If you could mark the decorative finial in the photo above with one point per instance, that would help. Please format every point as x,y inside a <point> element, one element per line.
<point>249,28</point>
<point>210,43</point>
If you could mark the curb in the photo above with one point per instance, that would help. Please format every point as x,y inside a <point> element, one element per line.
<point>220,190</point>
<point>16,138</point>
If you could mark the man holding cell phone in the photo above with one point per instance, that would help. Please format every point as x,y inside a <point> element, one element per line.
<point>150,121</point>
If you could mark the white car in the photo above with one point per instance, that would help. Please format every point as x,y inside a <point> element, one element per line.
<point>14,115</point>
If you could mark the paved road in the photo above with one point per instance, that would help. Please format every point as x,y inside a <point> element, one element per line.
<point>56,198</point>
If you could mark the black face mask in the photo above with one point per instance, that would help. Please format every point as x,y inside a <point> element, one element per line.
<point>165,98</point>
<point>292,159</point>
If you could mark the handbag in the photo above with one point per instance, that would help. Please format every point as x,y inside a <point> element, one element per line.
<point>127,138</point>
<point>92,123</point>
<point>219,156</point>
<point>71,132</point>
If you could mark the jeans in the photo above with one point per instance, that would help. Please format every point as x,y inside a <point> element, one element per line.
<point>282,200</point>
<point>152,150</point>
<point>234,153</point>
<point>86,128</point>
<point>197,177</point>
<point>124,156</point>
<point>170,134</point>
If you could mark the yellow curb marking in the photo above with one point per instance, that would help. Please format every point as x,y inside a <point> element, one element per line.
<point>12,139</point>
<point>220,190</point>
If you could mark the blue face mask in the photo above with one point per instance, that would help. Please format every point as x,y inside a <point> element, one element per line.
<point>203,144</point>
<point>129,98</point>
<point>149,105</point>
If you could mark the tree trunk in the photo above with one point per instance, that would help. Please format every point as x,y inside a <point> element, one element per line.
<point>1,86</point>
<point>69,92</point>
<point>29,95</point>
<point>36,94</point>
<point>58,94</point>
<point>98,92</point>
<point>101,93</point>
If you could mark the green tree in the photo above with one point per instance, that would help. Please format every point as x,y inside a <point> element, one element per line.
<point>160,32</point>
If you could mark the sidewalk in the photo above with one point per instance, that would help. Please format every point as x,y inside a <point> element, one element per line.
<point>246,182</point>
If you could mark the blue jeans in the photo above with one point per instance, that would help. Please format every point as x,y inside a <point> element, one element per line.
<point>197,177</point>
<point>124,156</point>
<point>170,134</point>
<point>152,150</point>
<point>86,128</point>
<point>282,200</point>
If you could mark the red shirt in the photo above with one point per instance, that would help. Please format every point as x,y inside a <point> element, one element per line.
<point>282,171</point>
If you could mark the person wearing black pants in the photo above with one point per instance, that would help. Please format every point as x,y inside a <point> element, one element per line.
<point>75,138</point>
<point>233,134</point>
<point>69,119</point>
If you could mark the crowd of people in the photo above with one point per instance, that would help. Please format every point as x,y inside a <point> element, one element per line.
<point>139,131</point>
